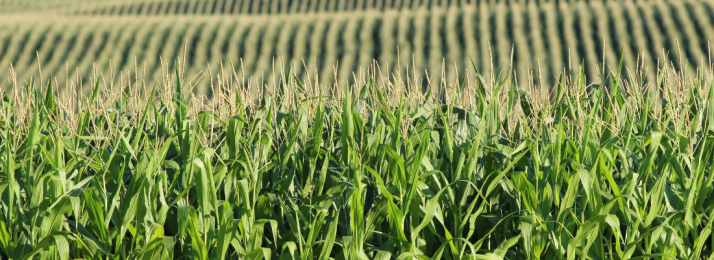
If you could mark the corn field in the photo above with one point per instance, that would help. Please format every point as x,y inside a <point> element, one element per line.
<point>76,39</point>
<point>356,129</point>
<point>477,169</point>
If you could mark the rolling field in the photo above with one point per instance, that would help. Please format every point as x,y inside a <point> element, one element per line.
<point>543,37</point>
<point>343,130</point>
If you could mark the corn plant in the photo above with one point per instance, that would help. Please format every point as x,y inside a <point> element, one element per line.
<point>473,169</point>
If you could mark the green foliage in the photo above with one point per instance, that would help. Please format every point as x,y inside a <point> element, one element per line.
<point>616,170</point>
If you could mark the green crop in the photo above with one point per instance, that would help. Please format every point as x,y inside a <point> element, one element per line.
<point>74,38</point>
<point>472,169</point>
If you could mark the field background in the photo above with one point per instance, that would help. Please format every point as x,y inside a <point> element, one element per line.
<point>73,37</point>
<point>488,169</point>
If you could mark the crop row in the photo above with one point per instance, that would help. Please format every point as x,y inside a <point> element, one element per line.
<point>178,7</point>
<point>14,6</point>
<point>210,7</point>
<point>186,7</point>
<point>183,7</point>
<point>543,40</point>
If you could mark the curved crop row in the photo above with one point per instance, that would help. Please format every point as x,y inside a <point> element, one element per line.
<point>213,7</point>
<point>556,36</point>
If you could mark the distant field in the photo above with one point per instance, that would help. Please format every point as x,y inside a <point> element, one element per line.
<point>360,164</point>
<point>542,34</point>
